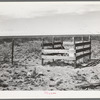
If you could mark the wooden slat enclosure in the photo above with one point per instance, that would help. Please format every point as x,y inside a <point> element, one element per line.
<point>47,51</point>
<point>56,50</point>
<point>83,49</point>
<point>83,55</point>
<point>82,43</point>
<point>57,57</point>
<point>60,52</point>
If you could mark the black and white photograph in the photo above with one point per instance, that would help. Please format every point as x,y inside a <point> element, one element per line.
<point>49,46</point>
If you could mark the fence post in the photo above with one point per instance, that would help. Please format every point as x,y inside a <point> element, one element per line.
<point>90,47</point>
<point>75,61</point>
<point>83,46</point>
<point>62,42</point>
<point>42,48</point>
<point>12,51</point>
<point>53,44</point>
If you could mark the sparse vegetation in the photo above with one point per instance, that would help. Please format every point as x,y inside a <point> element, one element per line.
<point>27,73</point>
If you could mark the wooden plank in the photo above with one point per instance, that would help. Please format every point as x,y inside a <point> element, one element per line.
<point>57,57</point>
<point>75,61</point>
<point>83,55</point>
<point>66,43</point>
<point>90,85</point>
<point>42,43</point>
<point>53,39</point>
<point>47,44</point>
<point>62,43</point>
<point>90,46</point>
<point>54,48</point>
<point>82,43</point>
<point>42,48</point>
<point>59,47</point>
<point>83,49</point>
<point>46,51</point>
<point>57,43</point>
<point>12,51</point>
<point>52,53</point>
<point>51,44</point>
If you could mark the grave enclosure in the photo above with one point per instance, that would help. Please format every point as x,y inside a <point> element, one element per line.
<point>73,50</point>
<point>58,49</point>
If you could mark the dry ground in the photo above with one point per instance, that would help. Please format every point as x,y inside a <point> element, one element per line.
<point>27,73</point>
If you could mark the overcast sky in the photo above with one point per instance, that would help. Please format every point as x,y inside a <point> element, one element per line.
<point>30,18</point>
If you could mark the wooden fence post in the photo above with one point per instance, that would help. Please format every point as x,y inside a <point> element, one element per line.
<point>42,48</point>
<point>83,46</point>
<point>90,47</point>
<point>12,51</point>
<point>53,44</point>
<point>75,61</point>
<point>62,42</point>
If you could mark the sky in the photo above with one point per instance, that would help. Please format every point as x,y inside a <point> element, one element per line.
<point>49,18</point>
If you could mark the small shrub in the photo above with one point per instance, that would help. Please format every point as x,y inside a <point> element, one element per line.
<point>5,52</point>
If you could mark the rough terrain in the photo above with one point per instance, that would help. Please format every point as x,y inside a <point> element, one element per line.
<point>27,73</point>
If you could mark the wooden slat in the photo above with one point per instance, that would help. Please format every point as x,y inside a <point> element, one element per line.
<point>83,55</point>
<point>58,47</point>
<point>42,43</point>
<point>83,49</point>
<point>51,44</point>
<point>90,85</point>
<point>53,48</point>
<point>68,43</point>
<point>47,44</point>
<point>46,51</point>
<point>57,43</point>
<point>75,61</point>
<point>90,46</point>
<point>82,43</point>
<point>12,51</point>
<point>57,57</point>
<point>52,53</point>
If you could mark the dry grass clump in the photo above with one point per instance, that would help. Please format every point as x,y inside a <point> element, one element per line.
<point>5,52</point>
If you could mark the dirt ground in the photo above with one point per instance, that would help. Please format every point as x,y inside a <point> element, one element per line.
<point>27,73</point>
